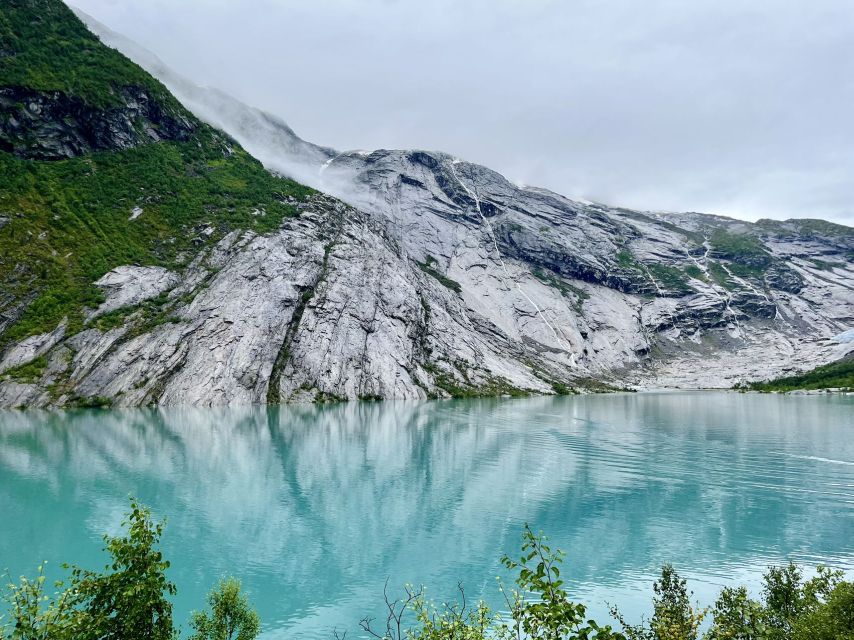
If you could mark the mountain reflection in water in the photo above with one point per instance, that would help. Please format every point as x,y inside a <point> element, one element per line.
<point>314,507</point>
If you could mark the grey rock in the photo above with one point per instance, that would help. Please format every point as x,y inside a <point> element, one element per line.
<point>31,348</point>
<point>127,286</point>
<point>50,125</point>
<point>417,293</point>
<point>423,276</point>
<point>18,395</point>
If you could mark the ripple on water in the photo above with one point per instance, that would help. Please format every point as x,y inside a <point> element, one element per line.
<point>315,507</point>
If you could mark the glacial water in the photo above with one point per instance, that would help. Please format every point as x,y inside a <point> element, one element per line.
<point>315,507</point>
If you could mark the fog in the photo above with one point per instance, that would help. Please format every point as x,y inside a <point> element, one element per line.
<point>726,107</point>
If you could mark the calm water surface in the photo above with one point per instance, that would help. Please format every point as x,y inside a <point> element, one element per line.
<point>315,507</point>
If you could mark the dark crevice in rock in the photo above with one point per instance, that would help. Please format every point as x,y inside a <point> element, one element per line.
<point>274,395</point>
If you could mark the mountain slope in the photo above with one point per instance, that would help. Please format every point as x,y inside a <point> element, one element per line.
<point>727,272</point>
<point>213,282</point>
<point>836,375</point>
<point>102,167</point>
<point>675,300</point>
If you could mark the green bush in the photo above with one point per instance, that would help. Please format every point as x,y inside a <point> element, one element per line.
<point>129,600</point>
<point>541,607</point>
<point>673,618</point>
<point>231,616</point>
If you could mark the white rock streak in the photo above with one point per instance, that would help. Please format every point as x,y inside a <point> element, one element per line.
<point>560,339</point>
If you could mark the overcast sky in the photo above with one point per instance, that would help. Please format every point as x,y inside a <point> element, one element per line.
<point>744,108</point>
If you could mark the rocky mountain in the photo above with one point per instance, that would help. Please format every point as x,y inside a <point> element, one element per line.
<point>419,275</point>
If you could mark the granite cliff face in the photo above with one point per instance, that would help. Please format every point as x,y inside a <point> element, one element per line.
<point>422,275</point>
<point>659,299</point>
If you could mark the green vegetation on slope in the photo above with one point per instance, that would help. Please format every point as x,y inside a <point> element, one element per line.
<point>43,46</point>
<point>807,227</point>
<point>131,602</point>
<point>567,290</point>
<point>70,220</point>
<point>663,276</point>
<point>835,375</point>
<point>471,386</point>
<point>669,277</point>
<point>825,265</point>
<point>719,275</point>
<point>65,223</point>
<point>429,267</point>
<point>733,244</point>
<point>29,372</point>
<point>748,255</point>
<point>693,271</point>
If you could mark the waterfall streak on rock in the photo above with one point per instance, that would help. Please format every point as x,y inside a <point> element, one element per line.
<point>500,260</point>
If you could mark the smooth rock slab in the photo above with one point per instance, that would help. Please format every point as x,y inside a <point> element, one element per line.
<point>130,285</point>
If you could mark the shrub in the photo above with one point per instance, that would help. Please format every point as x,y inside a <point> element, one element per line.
<point>129,601</point>
<point>673,618</point>
<point>550,614</point>
<point>231,616</point>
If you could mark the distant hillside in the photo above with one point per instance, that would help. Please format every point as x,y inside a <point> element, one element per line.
<point>836,375</point>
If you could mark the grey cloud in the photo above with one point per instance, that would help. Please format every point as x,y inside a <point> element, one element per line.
<point>715,105</point>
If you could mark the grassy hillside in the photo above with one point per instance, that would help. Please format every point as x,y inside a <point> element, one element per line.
<point>831,376</point>
<point>43,46</point>
<point>65,223</point>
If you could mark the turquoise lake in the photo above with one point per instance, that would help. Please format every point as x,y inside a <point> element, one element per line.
<point>315,507</point>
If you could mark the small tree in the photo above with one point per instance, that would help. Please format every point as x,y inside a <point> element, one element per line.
<point>550,615</point>
<point>784,599</point>
<point>129,601</point>
<point>452,621</point>
<point>832,619</point>
<point>231,615</point>
<point>737,617</point>
<point>36,616</point>
<point>673,617</point>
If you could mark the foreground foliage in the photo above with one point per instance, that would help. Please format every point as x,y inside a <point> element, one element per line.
<point>539,607</point>
<point>231,616</point>
<point>130,601</point>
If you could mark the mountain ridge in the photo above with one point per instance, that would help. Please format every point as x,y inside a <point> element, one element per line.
<point>428,276</point>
